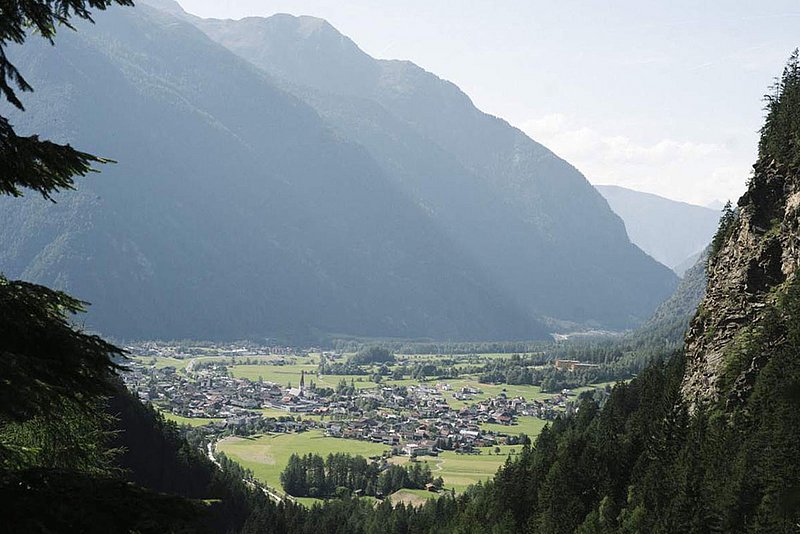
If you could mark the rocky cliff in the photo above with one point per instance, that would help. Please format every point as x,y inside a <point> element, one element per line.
<point>758,254</point>
<point>746,314</point>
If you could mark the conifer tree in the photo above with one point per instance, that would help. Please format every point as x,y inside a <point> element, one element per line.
<point>45,362</point>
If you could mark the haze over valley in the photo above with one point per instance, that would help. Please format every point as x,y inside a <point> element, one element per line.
<point>280,192</point>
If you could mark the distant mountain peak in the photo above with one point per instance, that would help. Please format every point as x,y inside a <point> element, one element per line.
<point>169,6</point>
<point>305,25</point>
<point>668,230</point>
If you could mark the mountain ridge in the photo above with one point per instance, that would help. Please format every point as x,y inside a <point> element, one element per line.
<point>509,196</point>
<point>315,240</point>
<point>670,231</point>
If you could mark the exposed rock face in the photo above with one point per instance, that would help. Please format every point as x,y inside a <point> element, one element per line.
<point>761,252</point>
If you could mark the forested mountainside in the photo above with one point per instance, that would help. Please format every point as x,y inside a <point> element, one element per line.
<point>671,232</point>
<point>233,210</point>
<point>670,322</point>
<point>527,217</point>
<point>753,266</point>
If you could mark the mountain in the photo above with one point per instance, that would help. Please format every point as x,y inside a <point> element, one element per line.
<point>753,288</point>
<point>233,210</point>
<point>706,441</point>
<point>527,217</point>
<point>716,205</point>
<point>687,264</point>
<point>670,322</point>
<point>671,232</point>
<point>243,205</point>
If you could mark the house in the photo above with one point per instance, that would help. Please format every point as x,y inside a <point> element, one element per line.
<point>573,365</point>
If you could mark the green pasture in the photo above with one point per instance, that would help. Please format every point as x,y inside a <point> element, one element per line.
<point>460,471</point>
<point>267,455</point>
<point>528,425</point>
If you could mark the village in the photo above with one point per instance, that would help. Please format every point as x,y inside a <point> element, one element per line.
<point>420,419</point>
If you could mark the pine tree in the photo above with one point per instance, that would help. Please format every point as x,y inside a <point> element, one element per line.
<point>29,162</point>
<point>44,361</point>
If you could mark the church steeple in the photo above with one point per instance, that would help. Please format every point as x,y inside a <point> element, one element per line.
<point>302,380</point>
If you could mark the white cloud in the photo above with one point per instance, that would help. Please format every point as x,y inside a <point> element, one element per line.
<point>698,172</point>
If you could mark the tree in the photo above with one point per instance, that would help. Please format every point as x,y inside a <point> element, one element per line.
<point>29,162</point>
<point>780,135</point>
<point>372,355</point>
<point>47,366</point>
<point>727,224</point>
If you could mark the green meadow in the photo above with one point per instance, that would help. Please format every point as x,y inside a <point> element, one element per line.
<point>530,426</point>
<point>459,471</point>
<point>285,374</point>
<point>267,455</point>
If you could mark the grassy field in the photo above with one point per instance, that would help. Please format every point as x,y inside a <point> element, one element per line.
<point>280,374</point>
<point>413,497</point>
<point>285,374</point>
<point>462,470</point>
<point>531,426</point>
<point>268,455</point>
<point>179,364</point>
<point>162,362</point>
<point>491,390</point>
<point>599,385</point>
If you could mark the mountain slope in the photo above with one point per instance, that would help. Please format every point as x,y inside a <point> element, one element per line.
<point>706,442</point>
<point>669,231</point>
<point>746,321</point>
<point>233,210</point>
<point>528,217</point>
<point>670,322</point>
<point>751,275</point>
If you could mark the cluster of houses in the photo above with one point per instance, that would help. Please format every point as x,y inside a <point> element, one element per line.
<point>415,420</point>
<point>185,350</point>
<point>422,422</point>
<point>574,365</point>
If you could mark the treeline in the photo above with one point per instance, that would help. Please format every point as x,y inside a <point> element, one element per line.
<point>371,355</point>
<point>340,368</point>
<point>539,370</point>
<point>443,348</point>
<point>343,474</point>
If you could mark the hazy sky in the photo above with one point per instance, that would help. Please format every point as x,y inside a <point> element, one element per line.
<point>660,96</point>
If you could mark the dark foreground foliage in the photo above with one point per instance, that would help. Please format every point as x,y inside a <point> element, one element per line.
<point>65,501</point>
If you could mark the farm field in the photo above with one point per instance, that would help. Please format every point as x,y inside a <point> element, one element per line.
<point>178,363</point>
<point>460,471</point>
<point>163,361</point>
<point>491,390</point>
<point>285,374</point>
<point>267,455</point>
<point>530,426</point>
<point>279,374</point>
<point>413,497</point>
